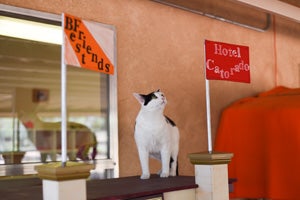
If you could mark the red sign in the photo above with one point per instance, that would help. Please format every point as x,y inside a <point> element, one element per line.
<point>227,62</point>
<point>83,49</point>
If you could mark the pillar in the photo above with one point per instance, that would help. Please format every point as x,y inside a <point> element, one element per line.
<point>60,183</point>
<point>211,175</point>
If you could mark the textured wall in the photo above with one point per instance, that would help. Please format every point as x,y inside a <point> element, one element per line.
<point>287,45</point>
<point>162,47</point>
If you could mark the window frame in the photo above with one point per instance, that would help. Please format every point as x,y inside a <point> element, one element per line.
<point>112,163</point>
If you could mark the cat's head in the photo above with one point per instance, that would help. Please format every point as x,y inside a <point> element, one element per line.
<point>152,101</point>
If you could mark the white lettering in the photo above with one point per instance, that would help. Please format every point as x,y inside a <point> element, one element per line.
<point>208,64</point>
<point>222,51</point>
<point>226,74</point>
<point>218,49</point>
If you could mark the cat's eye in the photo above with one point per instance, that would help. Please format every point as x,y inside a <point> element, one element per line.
<point>153,96</point>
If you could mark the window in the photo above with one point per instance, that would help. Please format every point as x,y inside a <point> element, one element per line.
<point>30,107</point>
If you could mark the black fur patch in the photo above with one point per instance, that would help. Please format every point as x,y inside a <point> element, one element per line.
<point>169,121</point>
<point>148,97</point>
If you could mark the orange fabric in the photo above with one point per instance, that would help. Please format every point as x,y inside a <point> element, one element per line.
<point>263,132</point>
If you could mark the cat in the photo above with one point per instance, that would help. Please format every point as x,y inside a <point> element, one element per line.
<point>47,138</point>
<point>156,135</point>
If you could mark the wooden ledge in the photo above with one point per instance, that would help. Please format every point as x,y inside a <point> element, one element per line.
<point>135,188</point>
<point>72,170</point>
<point>210,158</point>
<point>104,189</point>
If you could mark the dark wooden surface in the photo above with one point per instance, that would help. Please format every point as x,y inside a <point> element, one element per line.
<point>109,189</point>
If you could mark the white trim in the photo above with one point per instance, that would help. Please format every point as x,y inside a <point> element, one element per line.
<point>113,113</point>
<point>276,7</point>
<point>28,12</point>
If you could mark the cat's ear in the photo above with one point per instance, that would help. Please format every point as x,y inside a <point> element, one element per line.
<point>139,97</point>
<point>158,90</point>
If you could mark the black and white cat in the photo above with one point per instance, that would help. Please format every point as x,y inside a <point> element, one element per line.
<point>156,135</point>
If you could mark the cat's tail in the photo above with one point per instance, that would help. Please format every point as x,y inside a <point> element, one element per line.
<point>177,171</point>
<point>171,161</point>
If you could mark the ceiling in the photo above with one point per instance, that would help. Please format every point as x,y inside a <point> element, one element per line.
<point>292,2</point>
<point>254,14</point>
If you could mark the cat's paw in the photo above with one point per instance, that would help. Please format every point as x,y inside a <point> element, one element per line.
<point>145,176</point>
<point>164,175</point>
<point>173,173</point>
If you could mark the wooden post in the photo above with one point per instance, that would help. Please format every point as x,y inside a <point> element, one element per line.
<point>68,182</point>
<point>211,175</point>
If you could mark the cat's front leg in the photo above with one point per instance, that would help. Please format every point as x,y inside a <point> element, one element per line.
<point>144,160</point>
<point>165,160</point>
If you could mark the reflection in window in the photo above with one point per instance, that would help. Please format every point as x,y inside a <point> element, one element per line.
<point>30,107</point>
